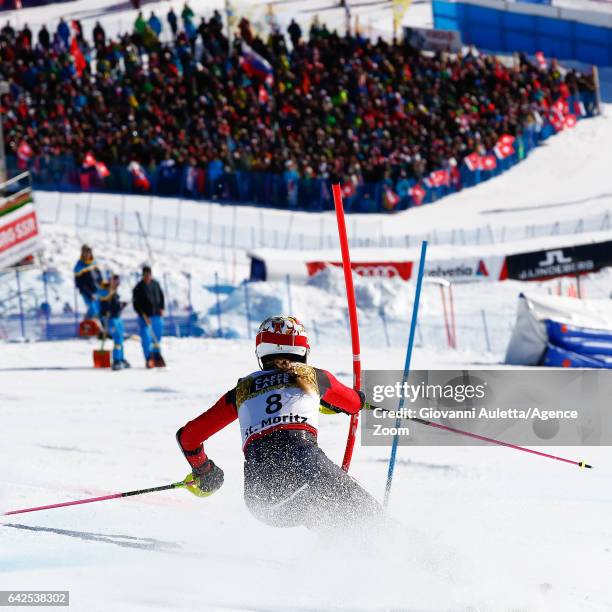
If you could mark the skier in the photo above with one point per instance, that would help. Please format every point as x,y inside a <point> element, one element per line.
<point>288,480</point>
<point>110,311</point>
<point>148,301</point>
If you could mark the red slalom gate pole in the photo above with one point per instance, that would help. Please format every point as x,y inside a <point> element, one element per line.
<point>91,500</point>
<point>352,308</point>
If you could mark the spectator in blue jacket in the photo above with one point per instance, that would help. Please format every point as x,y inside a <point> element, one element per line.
<point>155,24</point>
<point>64,32</point>
<point>173,21</point>
<point>149,304</point>
<point>110,312</point>
<point>87,278</point>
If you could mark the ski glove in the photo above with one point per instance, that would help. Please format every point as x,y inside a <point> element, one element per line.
<point>206,479</point>
<point>368,406</point>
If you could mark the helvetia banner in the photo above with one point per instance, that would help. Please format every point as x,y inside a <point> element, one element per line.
<point>19,235</point>
<point>466,269</point>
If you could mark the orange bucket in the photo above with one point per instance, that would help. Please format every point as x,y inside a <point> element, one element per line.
<point>102,359</point>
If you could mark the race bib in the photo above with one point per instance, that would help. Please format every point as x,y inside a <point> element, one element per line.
<point>269,400</point>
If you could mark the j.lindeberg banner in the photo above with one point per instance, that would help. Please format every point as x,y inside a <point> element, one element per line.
<point>549,263</point>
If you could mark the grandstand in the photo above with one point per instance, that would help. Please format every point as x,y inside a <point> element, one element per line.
<point>195,115</point>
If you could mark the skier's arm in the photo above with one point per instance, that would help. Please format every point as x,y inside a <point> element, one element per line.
<point>194,433</point>
<point>337,397</point>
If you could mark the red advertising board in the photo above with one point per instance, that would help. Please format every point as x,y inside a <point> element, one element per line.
<point>386,269</point>
<point>19,235</point>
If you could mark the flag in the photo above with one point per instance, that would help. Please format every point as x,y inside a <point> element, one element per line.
<point>89,161</point>
<point>417,193</point>
<point>263,95</point>
<point>488,162</point>
<point>473,161</point>
<point>503,150</point>
<point>390,198</point>
<point>79,59</point>
<point>399,8</point>
<point>556,121</point>
<point>507,139</point>
<point>561,107</point>
<point>348,189</point>
<point>138,176</point>
<point>24,154</point>
<point>255,65</point>
<point>542,63</point>
<point>102,170</point>
<point>570,121</point>
<point>438,178</point>
<point>579,108</point>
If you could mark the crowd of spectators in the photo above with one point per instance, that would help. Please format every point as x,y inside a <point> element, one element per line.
<point>175,92</point>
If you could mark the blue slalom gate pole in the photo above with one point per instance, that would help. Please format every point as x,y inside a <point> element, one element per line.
<point>413,323</point>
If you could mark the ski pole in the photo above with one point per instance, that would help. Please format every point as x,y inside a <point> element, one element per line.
<point>413,323</point>
<point>462,432</point>
<point>352,310</point>
<point>91,500</point>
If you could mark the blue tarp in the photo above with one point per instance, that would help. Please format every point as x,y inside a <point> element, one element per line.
<point>558,357</point>
<point>571,346</point>
<point>581,340</point>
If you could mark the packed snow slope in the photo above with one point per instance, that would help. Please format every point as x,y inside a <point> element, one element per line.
<point>470,528</point>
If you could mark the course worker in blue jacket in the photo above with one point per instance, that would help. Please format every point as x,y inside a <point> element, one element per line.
<point>88,278</point>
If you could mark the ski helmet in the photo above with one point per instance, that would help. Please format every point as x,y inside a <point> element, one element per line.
<point>281,335</point>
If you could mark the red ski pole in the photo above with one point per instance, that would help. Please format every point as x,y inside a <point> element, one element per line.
<point>91,500</point>
<point>462,432</point>
<point>352,309</point>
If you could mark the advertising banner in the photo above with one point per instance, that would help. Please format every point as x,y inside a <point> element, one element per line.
<point>13,202</point>
<point>19,235</point>
<point>386,269</point>
<point>434,40</point>
<point>566,261</point>
<point>468,269</point>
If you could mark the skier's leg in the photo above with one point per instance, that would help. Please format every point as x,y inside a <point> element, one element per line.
<point>337,500</point>
<point>277,476</point>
